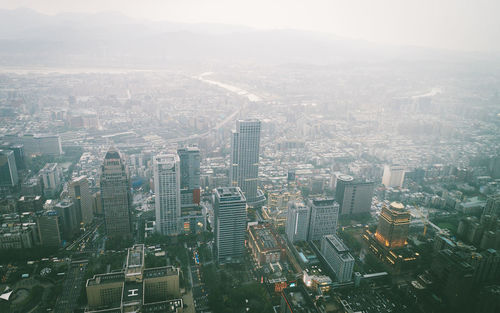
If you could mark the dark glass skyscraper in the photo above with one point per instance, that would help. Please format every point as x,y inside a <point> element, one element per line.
<point>115,195</point>
<point>244,168</point>
<point>230,224</point>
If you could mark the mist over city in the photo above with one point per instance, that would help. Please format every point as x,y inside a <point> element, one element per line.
<point>249,156</point>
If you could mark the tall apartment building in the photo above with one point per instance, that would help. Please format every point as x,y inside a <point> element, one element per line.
<point>354,197</point>
<point>394,176</point>
<point>245,147</point>
<point>337,255</point>
<point>297,222</point>
<point>230,223</point>
<point>167,193</point>
<point>82,198</point>
<point>115,195</point>
<point>324,217</point>
<point>492,206</point>
<point>393,226</point>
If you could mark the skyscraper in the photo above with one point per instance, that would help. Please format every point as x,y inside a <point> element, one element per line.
<point>244,169</point>
<point>82,198</point>
<point>115,195</point>
<point>324,216</point>
<point>393,226</point>
<point>190,175</point>
<point>8,169</point>
<point>297,222</point>
<point>167,193</point>
<point>393,176</point>
<point>230,223</point>
<point>354,197</point>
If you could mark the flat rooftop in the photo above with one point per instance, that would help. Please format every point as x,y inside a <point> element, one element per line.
<point>135,256</point>
<point>298,300</point>
<point>160,272</point>
<point>169,306</point>
<point>230,193</point>
<point>106,279</point>
<point>132,292</point>
<point>337,243</point>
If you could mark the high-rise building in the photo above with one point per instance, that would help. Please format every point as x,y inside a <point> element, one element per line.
<point>230,223</point>
<point>393,226</point>
<point>49,229</point>
<point>244,169</point>
<point>115,195</point>
<point>297,222</point>
<point>324,217</point>
<point>52,179</point>
<point>393,176</point>
<point>190,176</point>
<point>167,193</point>
<point>337,255</point>
<point>354,197</point>
<point>82,198</point>
<point>8,169</point>
<point>66,211</point>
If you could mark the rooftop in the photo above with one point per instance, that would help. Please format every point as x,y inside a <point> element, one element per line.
<point>106,279</point>
<point>160,271</point>
<point>298,300</point>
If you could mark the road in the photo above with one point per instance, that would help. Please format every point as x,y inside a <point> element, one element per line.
<point>72,287</point>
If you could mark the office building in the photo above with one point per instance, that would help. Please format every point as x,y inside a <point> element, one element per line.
<point>296,300</point>
<point>393,226</point>
<point>337,255</point>
<point>189,176</point>
<point>393,176</point>
<point>297,222</point>
<point>267,247</point>
<point>16,236</point>
<point>68,215</point>
<point>245,145</point>
<point>82,198</point>
<point>136,288</point>
<point>354,197</point>
<point>323,217</point>
<point>8,169</point>
<point>115,195</point>
<point>167,193</point>
<point>52,179</point>
<point>18,150</point>
<point>49,229</point>
<point>230,217</point>
<point>39,144</point>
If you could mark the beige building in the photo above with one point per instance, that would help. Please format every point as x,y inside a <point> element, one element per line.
<point>136,288</point>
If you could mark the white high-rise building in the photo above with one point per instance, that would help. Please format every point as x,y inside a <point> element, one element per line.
<point>297,222</point>
<point>337,255</point>
<point>244,170</point>
<point>167,193</point>
<point>393,176</point>
<point>324,217</point>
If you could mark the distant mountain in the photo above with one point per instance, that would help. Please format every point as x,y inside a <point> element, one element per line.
<point>29,38</point>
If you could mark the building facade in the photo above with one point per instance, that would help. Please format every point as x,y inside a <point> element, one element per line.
<point>230,223</point>
<point>297,223</point>
<point>337,255</point>
<point>393,176</point>
<point>354,197</point>
<point>82,198</point>
<point>115,195</point>
<point>393,226</point>
<point>244,170</point>
<point>324,217</point>
<point>8,169</point>
<point>167,193</point>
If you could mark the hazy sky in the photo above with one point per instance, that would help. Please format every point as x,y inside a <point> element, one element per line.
<point>450,24</point>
